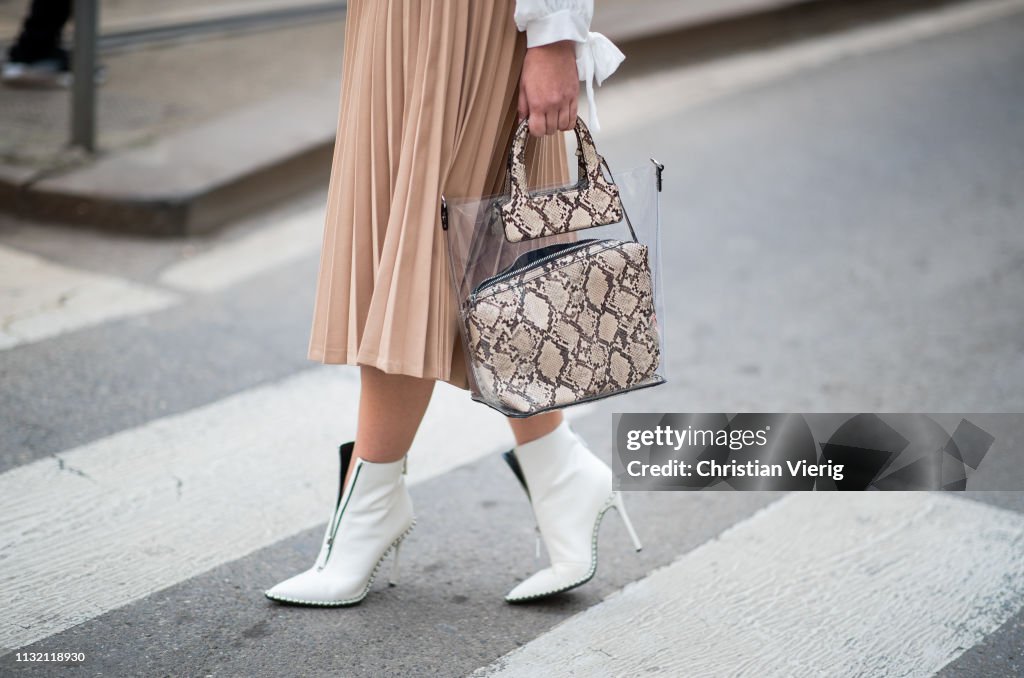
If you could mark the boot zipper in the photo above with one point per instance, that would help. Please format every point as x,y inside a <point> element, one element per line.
<point>336,521</point>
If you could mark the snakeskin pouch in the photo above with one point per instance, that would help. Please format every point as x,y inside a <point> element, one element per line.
<point>593,201</point>
<point>549,319</point>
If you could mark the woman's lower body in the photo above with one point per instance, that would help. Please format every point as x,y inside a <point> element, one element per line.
<point>428,106</point>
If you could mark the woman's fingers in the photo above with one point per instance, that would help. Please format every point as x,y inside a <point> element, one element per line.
<point>550,119</point>
<point>541,119</point>
<point>524,107</point>
<point>566,119</point>
<point>538,123</point>
<point>552,116</point>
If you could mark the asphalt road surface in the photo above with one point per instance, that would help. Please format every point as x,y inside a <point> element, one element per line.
<point>842,233</point>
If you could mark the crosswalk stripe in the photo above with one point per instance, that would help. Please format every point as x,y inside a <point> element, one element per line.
<point>40,299</point>
<point>96,527</point>
<point>882,583</point>
<point>296,236</point>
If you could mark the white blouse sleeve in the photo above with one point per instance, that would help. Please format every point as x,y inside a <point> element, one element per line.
<point>547,21</point>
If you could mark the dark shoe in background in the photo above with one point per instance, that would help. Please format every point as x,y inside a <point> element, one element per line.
<point>47,72</point>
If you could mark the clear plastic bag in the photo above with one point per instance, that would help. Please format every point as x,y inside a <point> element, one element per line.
<point>558,316</point>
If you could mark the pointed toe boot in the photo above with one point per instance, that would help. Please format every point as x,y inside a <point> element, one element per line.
<point>570,489</point>
<point>371,517</point>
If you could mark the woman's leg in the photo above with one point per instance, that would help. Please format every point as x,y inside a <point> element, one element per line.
<point>531,428</point>
<point>391,407</point>
<point>377,512</point>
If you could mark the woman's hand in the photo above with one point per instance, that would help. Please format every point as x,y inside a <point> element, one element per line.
<point>549,88</point>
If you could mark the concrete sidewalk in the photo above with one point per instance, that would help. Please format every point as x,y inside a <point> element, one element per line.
<point>194,135</point>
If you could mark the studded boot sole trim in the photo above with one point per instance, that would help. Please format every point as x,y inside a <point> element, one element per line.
<point>609,503</point>
<point>366,589</point>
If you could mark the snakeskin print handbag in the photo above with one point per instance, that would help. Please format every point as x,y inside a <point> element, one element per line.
<point>571,320</point>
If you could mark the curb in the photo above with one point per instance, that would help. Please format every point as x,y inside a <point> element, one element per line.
<point>177,187</point>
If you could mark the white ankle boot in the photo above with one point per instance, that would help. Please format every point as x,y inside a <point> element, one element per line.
<point>569,489</point>
<point>371,517</point>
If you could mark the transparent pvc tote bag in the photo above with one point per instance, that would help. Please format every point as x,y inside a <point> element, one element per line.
<point>557,288</point>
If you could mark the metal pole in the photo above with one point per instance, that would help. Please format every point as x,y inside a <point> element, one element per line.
<point>83,64</point>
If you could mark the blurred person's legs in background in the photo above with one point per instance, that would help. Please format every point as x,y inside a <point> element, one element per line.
<point>37,57</point>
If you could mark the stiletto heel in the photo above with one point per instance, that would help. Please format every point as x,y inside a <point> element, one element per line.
<point>620,508</point>
<point>393,579</point>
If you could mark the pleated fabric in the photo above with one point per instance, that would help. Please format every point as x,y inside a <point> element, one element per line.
<point>428,106</point>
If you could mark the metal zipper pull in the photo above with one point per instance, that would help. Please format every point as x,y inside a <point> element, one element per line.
<point>537,553</point>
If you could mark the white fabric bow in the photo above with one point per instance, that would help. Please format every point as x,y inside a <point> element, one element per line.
<point>596,59</point>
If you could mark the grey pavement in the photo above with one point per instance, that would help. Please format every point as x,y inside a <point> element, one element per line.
<point>845,239</point>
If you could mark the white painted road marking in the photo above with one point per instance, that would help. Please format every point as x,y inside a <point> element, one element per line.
<point>94,528</point>
<point>817,584</point>
<point>297,236</point>
<point>40,299</point>
<point>673,91</point>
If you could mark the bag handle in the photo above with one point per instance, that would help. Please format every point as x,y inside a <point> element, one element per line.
<point>586,152</point>
<point>590,163</point>
<point>585,143</point>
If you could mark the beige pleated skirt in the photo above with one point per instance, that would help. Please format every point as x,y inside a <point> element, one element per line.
<point>428,106</point>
